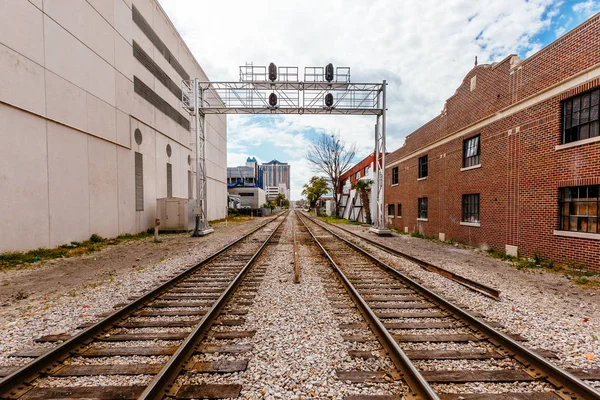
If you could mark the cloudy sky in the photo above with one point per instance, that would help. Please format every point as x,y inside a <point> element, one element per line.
<point>422,48</point>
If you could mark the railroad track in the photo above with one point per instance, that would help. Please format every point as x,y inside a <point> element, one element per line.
<point>468,283</point>
<point>148,345</point>
<point>441,350</point>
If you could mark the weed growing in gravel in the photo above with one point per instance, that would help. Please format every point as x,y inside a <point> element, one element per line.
<point>94,243</point>
<point>334,220</point>
<point>21,295</point>
<point>420,235</point>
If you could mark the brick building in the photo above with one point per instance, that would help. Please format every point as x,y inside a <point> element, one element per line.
<point>513,160</point>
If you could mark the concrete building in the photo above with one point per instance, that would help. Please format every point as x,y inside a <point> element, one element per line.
<point>513,160</point>
<point>244,175</point>
<point>91,127</point>
<point>249,197</point>
<point>276,179</point>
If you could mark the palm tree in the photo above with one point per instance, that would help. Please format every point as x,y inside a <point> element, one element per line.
<point>363,187</point>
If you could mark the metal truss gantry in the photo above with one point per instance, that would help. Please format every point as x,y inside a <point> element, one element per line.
<point>321,92</point>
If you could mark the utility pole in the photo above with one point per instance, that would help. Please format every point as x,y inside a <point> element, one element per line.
<point>201,210</point>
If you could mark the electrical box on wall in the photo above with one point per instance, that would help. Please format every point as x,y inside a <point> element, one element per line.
<point>175,214</point>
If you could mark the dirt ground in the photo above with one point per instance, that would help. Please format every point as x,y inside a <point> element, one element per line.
<point>40,280</point>
<point>476,265</point>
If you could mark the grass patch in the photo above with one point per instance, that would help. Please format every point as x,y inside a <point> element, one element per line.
<point>74,249</point>
<point>578,274</point>
<point>419,235</point>
<point>335,220</point>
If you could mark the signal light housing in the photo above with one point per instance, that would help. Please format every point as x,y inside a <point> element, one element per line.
<point>272,72</point>
<point>328,99</point>
<point>272,99</point>
<point>329,72</point>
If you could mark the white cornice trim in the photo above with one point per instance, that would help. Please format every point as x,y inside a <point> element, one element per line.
<point>584,76</point>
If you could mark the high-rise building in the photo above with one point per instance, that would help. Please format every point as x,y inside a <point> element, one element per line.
<point>276,179</point>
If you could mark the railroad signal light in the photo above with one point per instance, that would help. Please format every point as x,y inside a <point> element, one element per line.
<point>272,99</point>
<point>272,72</point>
<point>328,99</point>
<point>329,72</point>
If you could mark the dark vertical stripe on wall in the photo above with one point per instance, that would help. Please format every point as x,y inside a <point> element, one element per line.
<point>139,182</point>
<point>169,180</point>
<point>151,97</point>
<point>149,32</point>
<point>158,73</point>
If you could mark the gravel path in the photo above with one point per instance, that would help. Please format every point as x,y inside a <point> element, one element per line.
<point>547,309</point>
<point>298,345</point>
<point>53,310</point>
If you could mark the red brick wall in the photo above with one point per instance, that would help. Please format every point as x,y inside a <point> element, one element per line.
<point>366,162</point>
<point>521,170</point>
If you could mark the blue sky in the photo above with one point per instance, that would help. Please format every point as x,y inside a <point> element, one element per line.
<point>424,49</point>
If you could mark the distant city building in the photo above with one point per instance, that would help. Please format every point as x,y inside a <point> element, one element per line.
<point>276,179</point>
<point>244,176</point>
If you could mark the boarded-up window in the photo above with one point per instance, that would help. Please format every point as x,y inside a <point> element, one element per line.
<point>139,182</point>
<point>169,180</point>
<point>190,186</point>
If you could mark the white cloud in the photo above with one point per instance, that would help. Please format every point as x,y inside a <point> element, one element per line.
<point>424,49</point>
<point>587,8</point>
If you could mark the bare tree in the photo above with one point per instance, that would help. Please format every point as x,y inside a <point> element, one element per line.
<point>330,155</point>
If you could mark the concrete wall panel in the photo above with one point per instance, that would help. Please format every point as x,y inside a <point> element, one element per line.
<point>126,191</point>
<point>102,118</point>
<point>71,59</point>
<point>124,136</point>
<point>105,8</point>
<point>23,180</point>
<point>19,78</point>
<point>85,23</point>
<point>21,29</point>
<point>122,22</point>
<point>68,176</point>
<point>37,3</point>
<point>66,102</point>
<point>124,93</point>
<point>103,188</point>
<point>143,110</point>
<point>123,57</point>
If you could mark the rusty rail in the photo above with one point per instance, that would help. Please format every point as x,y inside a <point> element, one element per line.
<point>468,283</point>
<point>296,263</point>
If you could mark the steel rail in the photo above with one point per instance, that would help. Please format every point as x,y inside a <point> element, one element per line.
<point>469,283</point>
<point>165,379</point>
<point>411,374</point>
<point>16,381</point>
<point>569,384</point>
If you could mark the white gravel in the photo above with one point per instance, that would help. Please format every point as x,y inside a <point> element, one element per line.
<point>298,345</point>
<point>62,314</point>
<point>561,321</point>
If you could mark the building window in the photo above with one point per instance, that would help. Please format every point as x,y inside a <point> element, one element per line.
<point>423,171</point>
<point>139,182</point>
<point>357,175</point>
<point>471,151</point>
<point>366,170</point>
<point>391,210</point>
<point>169,180</point>
<point>579,207</point>
<point>422,208</point>
<point>399,210</point>
<point>580,117</point>
<point>395,176</point>
<point>470,208</point>
<point>251,194</point>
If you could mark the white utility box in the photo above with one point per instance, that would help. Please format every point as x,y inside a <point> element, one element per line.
<point>176,214</point>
